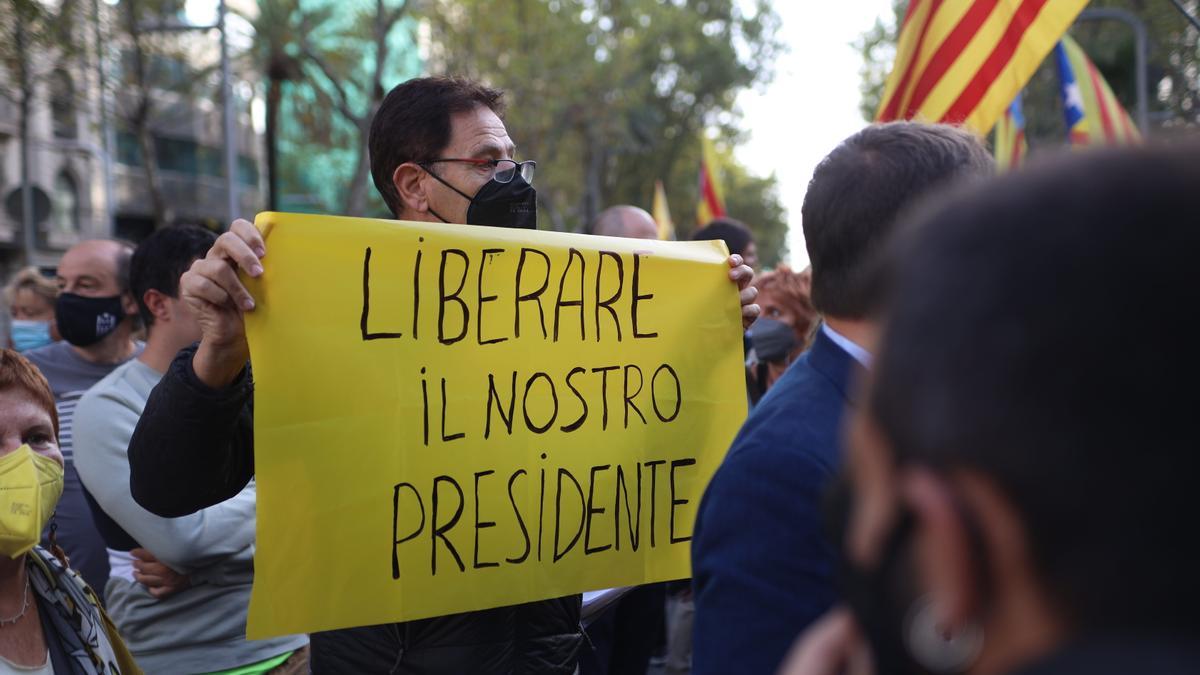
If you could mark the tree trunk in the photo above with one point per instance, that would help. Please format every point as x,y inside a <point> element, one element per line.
<point>274,94</point>
<point>158,205</point>
<point>356,195</point>
<point>546,209</point>
<point>28,221</point>
<point>593,174</point>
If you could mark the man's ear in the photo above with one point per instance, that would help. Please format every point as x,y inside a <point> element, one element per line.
<point>943,549</point>
<point>156,302</point>
<point>128,304</point>
<point>409,184</point>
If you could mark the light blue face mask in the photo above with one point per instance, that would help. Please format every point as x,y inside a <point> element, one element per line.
<point>28,335</point>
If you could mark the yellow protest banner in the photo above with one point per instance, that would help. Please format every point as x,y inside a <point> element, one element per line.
<point>451,418</point>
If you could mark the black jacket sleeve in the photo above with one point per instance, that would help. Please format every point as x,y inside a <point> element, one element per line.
<point>194,445</point>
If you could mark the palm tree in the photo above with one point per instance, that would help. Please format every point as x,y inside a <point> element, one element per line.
<point>276,52</point>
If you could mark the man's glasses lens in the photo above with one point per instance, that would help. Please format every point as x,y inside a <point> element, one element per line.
<point>506,169</point>
<point>503,170</point>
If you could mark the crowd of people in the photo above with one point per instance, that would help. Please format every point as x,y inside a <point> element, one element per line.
<point>966,450</point>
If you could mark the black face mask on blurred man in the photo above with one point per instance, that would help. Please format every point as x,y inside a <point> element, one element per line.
<point>886,601</point>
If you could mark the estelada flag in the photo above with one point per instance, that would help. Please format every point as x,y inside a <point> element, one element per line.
<point>662,213</point>
<point>711,199</point>
<point>963,61</point>
<point>1009,144</point>
<point>1094,115</point>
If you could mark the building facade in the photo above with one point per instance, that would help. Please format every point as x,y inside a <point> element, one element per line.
<point>85,162</point>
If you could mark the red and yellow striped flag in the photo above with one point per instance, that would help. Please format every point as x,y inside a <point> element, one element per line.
<point>963,61</point>
<point>712,201</point>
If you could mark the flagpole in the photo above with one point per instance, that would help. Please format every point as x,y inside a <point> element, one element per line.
<point>1183,10</point>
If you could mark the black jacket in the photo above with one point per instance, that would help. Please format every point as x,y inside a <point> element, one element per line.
<point>194,447</point>
<point>1118,654</point>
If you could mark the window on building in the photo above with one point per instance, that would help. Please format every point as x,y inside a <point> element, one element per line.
<point>247,170</point>
<point>129,152</point>
<point>208,161</point>
<point>162,71</point>
<point>62,105</point>
<point>175,154</point>
<point>64,226</point>
<point>170,72</point>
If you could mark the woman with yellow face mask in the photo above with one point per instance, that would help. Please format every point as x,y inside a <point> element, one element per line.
<point>50,621</point>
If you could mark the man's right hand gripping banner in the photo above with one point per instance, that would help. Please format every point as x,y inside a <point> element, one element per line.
<point>453,418</point>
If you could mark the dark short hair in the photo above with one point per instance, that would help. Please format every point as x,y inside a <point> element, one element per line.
<point>1040,331</point>
<point>413,125</point>
<point>734,233</point>
<point>858,191</point>
<point>162,258</point>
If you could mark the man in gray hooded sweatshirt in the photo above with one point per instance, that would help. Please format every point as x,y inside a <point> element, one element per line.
<point>187,615</point>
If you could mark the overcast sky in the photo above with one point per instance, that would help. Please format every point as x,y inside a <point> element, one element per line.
<point>812,102</point>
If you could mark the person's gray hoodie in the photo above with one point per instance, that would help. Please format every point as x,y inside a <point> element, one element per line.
<point>201,628</point>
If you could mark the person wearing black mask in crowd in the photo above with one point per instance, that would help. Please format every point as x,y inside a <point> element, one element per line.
<point>772,345</point>
<point>439,154</point>
<point>1021,483</point>
<point>96,316</point>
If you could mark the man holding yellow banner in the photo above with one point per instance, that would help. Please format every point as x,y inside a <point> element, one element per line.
<point>522,415</point>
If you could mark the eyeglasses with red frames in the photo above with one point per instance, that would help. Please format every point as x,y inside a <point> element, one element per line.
<point>499,170</point>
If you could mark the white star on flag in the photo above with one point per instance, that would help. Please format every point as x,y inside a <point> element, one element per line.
<point>1074,97</point>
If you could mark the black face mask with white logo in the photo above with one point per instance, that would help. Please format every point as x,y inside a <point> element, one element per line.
<point>84,321</point>
<point>512,204</point>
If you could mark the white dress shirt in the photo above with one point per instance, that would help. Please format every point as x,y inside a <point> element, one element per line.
<point>852,348</point>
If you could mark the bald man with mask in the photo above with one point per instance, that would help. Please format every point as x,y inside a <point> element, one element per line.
<point>96,314</point>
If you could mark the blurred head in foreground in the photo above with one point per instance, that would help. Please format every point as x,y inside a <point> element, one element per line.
<point>1021,474</point>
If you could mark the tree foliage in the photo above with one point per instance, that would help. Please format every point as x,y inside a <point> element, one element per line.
<point>140,79</point>
<point>159,67</point>
<point>327,65</point>
<point>878,48</point>
<point>36,48</point>
<point>610,96</point>
<point>35,40</point>
<point>349,56</point>
<point>275,54</point>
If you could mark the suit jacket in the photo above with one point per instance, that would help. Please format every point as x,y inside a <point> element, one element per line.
<point>762,566</point>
